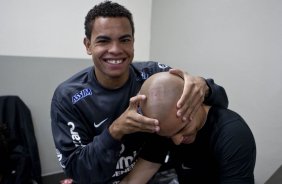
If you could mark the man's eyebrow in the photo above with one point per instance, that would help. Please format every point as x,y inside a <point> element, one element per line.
<point>102,37</point>
<point>125,36</point>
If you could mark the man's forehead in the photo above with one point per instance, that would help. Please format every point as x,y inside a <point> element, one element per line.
<point>111,22</point>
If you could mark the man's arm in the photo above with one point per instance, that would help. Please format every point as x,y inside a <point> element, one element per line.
<point>79,154</point>
<point>216,96</point>
<point>141,173</point>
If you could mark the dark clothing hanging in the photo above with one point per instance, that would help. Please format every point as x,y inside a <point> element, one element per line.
<point>23,151</point>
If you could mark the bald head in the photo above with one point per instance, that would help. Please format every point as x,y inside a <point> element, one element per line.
<point>163,90</point>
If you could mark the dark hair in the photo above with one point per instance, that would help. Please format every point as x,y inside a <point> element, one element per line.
<point>106,9</point>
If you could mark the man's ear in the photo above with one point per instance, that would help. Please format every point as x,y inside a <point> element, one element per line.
<point>87,45</point>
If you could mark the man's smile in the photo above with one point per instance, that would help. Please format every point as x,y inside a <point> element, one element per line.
<point>114,61</point>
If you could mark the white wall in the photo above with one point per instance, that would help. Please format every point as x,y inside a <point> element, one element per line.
<point>34,80</point>
<point>46,33</point>
<point>56,28</point>
<point>237,43</point>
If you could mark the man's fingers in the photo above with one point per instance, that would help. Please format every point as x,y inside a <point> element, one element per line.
<point>193,107</point>
<point>134,101</point>
<point>140,122</point>
<point>144,123</point>
<point>178,72</point>
<point>193,111</point>
<point>186,90</point>
<point>135,122</point>
<point>188,105</point>
<point>198,101</point>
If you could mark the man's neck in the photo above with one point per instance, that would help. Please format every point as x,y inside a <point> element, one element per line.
<point>111,82</point>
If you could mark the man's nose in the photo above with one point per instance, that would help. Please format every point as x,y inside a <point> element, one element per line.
<point>115,47</point>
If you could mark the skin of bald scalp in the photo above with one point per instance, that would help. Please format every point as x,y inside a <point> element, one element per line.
<point>162,91</point>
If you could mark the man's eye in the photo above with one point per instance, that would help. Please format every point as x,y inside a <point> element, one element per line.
<point>101,41</point>
<point>125,40</point>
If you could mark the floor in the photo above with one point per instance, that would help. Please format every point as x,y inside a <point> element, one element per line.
<point>276,178</point>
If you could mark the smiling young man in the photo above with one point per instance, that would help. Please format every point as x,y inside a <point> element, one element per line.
<point>95,124</point>
<point>223,150</point>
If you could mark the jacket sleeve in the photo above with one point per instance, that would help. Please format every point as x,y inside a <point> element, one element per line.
<point>217,96</point>
<point>84,159</point>
<point>153,153</point>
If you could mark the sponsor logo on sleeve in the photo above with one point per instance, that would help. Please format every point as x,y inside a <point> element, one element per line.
<point>74,135</point>
<point>81,94</point>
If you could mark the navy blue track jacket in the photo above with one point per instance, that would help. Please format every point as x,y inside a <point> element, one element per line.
<point>81,112</point>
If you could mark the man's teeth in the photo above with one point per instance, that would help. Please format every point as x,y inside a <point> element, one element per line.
<point>114,61</point>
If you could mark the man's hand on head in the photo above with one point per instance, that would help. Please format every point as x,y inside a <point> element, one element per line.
<point>131,121</point>
<point>194,92</point>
